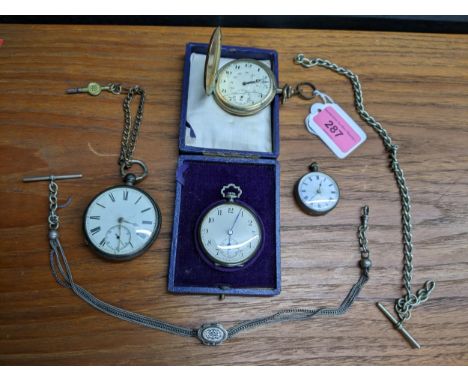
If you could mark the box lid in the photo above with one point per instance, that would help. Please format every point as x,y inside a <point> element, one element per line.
<point>207,129</point>
<point>212,61</point>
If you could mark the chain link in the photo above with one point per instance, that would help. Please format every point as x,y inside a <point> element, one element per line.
<point>53,205</point>
<point>362,234</point>
<point>405,304</point>
<point>130,133</point>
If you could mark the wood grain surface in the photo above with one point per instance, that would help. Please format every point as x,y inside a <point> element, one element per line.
<point>415,84</point>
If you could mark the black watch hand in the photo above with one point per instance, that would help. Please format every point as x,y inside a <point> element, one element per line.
<point>319,191</point>
<point>230,232</point>
<point>126,221</point>
<point>252,82</point>
<point>235,221</point>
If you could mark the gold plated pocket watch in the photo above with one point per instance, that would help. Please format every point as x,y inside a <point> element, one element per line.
<point>241,87</point>
<point>245,86</point>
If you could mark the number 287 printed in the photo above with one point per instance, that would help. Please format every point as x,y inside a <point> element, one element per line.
<point>333,128</point>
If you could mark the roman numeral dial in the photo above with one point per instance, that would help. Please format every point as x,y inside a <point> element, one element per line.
<point>122,222</point>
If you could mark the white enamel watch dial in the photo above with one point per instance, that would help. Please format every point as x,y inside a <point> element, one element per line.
<point>241,87</point>
<point>316,192</point>
<point>245,86</point>
<point>230,233</point>
<point>121,222</point>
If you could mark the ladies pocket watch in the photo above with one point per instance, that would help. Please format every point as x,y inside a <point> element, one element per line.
<point>230,233</point>
<point>123,221</point>
<point>244,86</point>
<point>316,192</point>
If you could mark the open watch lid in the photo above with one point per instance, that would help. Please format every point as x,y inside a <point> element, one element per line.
<point>212,61</point>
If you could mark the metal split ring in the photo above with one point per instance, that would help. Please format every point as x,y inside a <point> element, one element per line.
<point>125,166</point>
<point>117,89</point>
<point>303,89</point>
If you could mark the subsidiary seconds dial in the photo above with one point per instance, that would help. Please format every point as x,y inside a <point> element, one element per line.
<point>121,222</point>
<point>245,86</point>
<point>230,233</point>
<point>241,87</point>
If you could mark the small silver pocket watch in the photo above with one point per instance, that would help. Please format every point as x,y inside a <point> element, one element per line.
<point>316,192</point>
<point>244,86</point>
<point>230,233</point>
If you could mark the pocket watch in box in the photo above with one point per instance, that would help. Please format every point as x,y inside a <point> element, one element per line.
<point>230,233</point>
<point>244,86</point>
<point>241,87</point>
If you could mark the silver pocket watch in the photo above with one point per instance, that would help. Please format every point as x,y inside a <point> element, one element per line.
<point>244,86</point>
<point>230,233</point>
<point>317,193</point>
<point>121,222</point>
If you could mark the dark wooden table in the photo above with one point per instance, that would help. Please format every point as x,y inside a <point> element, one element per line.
<point>415,84</point>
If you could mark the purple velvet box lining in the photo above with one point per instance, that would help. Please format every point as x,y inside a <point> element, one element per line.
<point>199,181</point>
<point>230,52</point>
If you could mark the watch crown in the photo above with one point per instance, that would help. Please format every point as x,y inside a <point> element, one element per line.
<point>314,167</point>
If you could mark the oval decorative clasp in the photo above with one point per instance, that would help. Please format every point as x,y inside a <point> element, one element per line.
<point>212,334</point>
